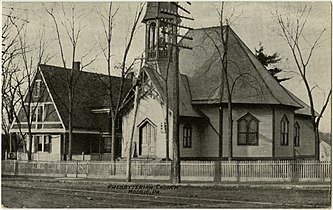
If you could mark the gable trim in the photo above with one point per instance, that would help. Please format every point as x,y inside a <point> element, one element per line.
<point>22,104</point>
<point>54,104</point>
<point>146,120</point>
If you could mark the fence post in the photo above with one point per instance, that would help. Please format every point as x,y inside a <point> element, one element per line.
<point>15,167</point>
<point>237,171</point>
<point>77,169</point>
<point>46,166</point>
<point>66,168</point>
<point>87,170</point>
<point>217,171</point>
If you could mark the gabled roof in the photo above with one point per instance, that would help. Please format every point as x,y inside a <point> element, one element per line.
<point>91,92</point>
<point>202,65</point>
<point>185,105</point>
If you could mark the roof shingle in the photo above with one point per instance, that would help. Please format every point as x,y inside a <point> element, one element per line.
<point>90,92</point>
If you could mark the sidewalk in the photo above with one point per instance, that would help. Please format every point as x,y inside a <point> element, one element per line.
<point>118,182</point>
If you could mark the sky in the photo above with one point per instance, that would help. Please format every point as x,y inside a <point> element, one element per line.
<point>254,24</point>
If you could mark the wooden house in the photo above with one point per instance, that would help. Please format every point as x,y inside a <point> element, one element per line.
<point>49,115</point>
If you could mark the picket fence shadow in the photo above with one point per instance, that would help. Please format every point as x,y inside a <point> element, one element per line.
<point>283,170</point>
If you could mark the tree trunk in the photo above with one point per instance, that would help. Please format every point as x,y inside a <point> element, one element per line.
<point>217,176</point>
<point>129,154</point>
<point>70,122</point>
<point>229,130</point>
<point>317,141</point>
<point>29,151</point>
<point>9,136</point>
<point>113,137</point>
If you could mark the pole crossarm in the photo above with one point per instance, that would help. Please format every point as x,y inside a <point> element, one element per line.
<point>180,26</point>
<point>180,7</point>
<point>185,37</point>
<point>168,12</point>
<point>180,46</point>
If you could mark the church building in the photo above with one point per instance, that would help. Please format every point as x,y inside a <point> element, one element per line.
<point>269,122</point>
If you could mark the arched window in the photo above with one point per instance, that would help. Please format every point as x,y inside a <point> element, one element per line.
<point>187,136</point>
<point>296,134</point>
<point>284,128</point>
<point>248,130</point>
<point>152,36</point>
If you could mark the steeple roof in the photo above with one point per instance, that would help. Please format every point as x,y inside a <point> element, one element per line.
<point>153,10</point>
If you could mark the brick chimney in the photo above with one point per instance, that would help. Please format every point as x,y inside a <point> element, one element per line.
<point>76,65</point>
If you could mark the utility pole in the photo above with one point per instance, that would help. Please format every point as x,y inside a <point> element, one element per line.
<point>175,169</point>
<point>136,101</point>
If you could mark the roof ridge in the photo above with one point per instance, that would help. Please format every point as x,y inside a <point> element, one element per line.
<point>210,27</point>
<point>97,73</point>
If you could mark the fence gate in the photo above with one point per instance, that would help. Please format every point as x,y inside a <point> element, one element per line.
<point>76,169</point>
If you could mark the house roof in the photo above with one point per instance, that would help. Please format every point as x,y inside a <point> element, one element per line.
<point>91,92</point>
<point>305,110</point>
<point>249,79</point>
<point>185,105</point>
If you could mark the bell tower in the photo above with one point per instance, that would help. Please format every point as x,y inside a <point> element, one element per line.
<point>159,30</point>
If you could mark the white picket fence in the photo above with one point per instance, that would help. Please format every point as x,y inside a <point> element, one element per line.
<point>284,170</point>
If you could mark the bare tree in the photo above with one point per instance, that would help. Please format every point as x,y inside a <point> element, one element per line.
<point>115,106</point>
<point>292,32</point>
<point>223,35</point>
<point>72,26</point>
<point>228,80</point>
<point>108,24</point>
<point>27,92</point>
<point>9,66</point>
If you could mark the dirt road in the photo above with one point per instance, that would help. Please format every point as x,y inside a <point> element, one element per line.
<point>39,193</point>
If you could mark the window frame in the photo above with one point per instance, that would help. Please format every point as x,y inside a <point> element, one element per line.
<point>36,118</point>
<point>284,134</point>
<point>40,142</point>
<point>297,134</point>
<point>247,118</point>
<point>187,136</point>
<point>37,88</point>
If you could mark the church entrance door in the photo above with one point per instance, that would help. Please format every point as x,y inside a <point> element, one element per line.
<point>147,139</point>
